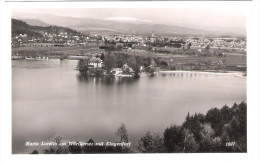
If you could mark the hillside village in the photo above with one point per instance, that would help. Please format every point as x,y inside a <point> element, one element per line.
<point>60,36</point>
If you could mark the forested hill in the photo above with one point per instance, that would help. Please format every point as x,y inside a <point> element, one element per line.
<point>20,27</point>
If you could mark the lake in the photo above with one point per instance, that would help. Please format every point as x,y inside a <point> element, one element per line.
<point>50,98</point>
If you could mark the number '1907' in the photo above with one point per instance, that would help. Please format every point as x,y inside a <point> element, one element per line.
<point>230,143</point>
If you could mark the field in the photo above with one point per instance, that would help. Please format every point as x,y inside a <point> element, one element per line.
<point>176,56</point>
<point>230,58</point>
<point>56,51</point>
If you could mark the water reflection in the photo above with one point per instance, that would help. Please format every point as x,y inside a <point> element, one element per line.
<point>181,75</point>
<point>106,80</point>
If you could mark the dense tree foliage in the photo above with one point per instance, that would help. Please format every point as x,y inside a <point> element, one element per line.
<point>90,148</point>
<point>189,144</point>
<point>75,149</point>
<point>220,130</point>
<point>173,138</point>
<point>151,143</point>
<point>118,60</point>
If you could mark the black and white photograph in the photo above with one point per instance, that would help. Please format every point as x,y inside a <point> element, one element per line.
<point>129,80</point>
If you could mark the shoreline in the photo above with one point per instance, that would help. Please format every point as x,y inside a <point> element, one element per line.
<point>235,73</point>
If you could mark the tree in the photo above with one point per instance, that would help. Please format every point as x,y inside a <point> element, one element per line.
<point>164,64</point>
<point>188,46</point>
<point>82,67</point>
<point>232,129</point>
<point>158,144</point>
<point>210,132</point>
<point>193,123</point>
<point>135,64</point>
<point>122,133</point>
<point>189,144</point>
<point>119,47</point>
<point>75,149</point>
<point>173,138</point>
<point>111,48</point>
<point>109,62</point>
<point>58,148</point>
<point>242,115</point>
<point>35,152</point>
<point>208,142</point>
<point>226,114</point>
<point>145,143</point>
<point>151,144</point>
<point>90,148</point>
<point>214,117</point>
<point>231,133</point>
<point>207,132</point>
<point>207,47</point>
<point>102,56</point>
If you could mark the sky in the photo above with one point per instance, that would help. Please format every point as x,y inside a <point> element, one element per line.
<point>225,17</point>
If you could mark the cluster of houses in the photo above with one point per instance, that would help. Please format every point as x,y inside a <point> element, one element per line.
<point>95,62</point>
<point>95,65</point>
<point>140,42</point>
<point>125,71</point>
<point>137,41</point>
<point>127,41</point>
<point>232,43</point>
<point>47,40</point>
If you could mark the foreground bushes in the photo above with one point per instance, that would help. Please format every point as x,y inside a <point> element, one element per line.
<point>220,130</point>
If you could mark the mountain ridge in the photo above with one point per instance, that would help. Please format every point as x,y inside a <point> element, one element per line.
<point>134,26</point>
<point>21,27</point>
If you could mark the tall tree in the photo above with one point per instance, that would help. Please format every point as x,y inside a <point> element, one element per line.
<point>208,143</point>
<point>58,148</point>
<point>151,144</point>
<point>109,62</point>
<point>122,133</point>
<point>189,144</point>
<point>173,138</point>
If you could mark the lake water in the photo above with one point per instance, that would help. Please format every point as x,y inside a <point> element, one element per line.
<point>50,98</point>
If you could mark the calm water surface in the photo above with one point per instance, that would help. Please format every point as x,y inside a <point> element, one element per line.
<point>50,98</point>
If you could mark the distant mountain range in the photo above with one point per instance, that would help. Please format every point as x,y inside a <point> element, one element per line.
<point>125,25</point>
<point>34,22</point>
<point>128,20</point>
